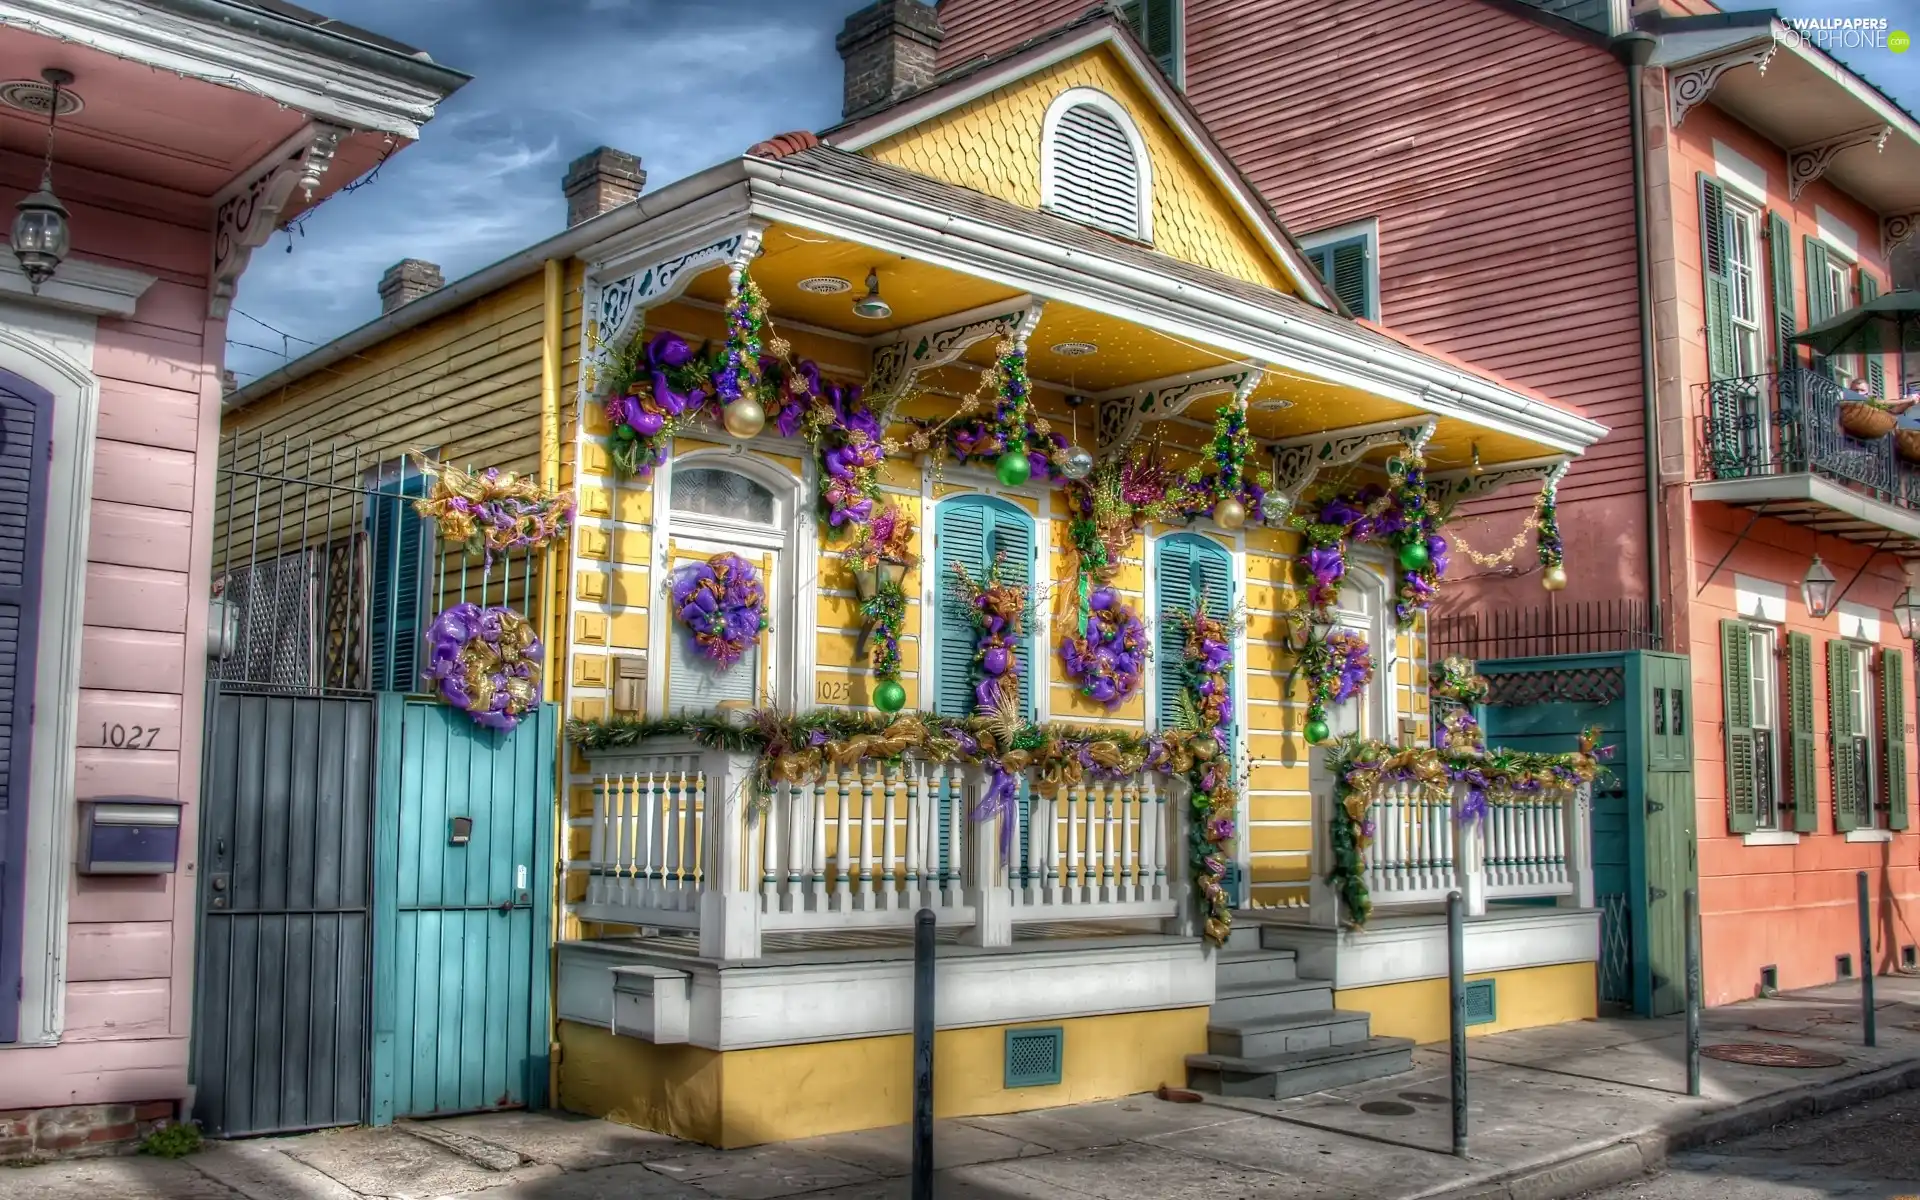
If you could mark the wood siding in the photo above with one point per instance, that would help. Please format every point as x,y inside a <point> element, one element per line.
<point>1495,155</point>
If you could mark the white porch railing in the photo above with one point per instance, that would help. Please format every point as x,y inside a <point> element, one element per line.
<point>674,844</point>
<point>1524,847</point>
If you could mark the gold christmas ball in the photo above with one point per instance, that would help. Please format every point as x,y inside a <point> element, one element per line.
<point>1203,747</point>
<point>1230,513</point>
<point>1554,578</point>
<point>744,417</point>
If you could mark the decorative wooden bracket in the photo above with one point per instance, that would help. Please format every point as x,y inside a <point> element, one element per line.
<point>1809,163</point>
<point>248,211</point>
<point>1451,487</point>
<point>1297,460</point>
<point>1123,412</point>
<point>1896,229</point>
<point>1690,86</point>
<point>900,358</point>
<point>616,310</point>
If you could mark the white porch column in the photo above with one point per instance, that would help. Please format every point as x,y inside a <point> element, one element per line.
<point>1576,810</point>
<point>1323,903</point>
<point>729,907</point>
<point>1470,857</point>
<point>987,889</point>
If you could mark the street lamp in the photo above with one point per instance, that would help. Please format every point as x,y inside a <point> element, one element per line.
<point>1906,612</point>
<point>1817,589</point>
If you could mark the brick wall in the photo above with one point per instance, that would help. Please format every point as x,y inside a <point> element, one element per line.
<point>79,1131</point>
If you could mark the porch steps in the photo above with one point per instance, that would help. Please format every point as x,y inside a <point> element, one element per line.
<point>1273,1034</point>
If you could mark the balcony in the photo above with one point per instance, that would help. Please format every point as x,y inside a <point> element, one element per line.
<point>1774,443</point>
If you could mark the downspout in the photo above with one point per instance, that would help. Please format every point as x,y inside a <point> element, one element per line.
<point>1635,48</point>
<point>552,324</point>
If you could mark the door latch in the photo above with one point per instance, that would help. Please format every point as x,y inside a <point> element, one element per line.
<point>1654,806</point>
<point>217,884</point>
<point>1656,893</point>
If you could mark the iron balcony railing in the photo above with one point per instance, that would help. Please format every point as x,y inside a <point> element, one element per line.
<point>1789,424</point>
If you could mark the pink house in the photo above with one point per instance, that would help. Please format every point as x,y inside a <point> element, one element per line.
<point>184,132</point>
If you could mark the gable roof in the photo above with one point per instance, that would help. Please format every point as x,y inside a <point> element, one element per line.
<point>1588,14</point>
<point>1098,27</point>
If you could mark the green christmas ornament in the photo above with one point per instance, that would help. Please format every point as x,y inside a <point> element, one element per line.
<point>1013,468</point>
<point>1318,732</point>
<point>1414,556</point>
<point>890,697</point>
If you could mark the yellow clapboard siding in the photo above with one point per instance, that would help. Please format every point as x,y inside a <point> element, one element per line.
<point>1279,869</point>
<point>1279,808</point>
<point>1268,839</point>
<point>838,650</point>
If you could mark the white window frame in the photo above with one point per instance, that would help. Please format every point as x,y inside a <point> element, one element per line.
<point>794,591</point>
<point>1841,286</point>
<point>1763,651</point>
<point>1094,98</point>
<point>1865,723</point>
<point>1369,230</point>
<point>1374,710</point>
<point>1742,229</point>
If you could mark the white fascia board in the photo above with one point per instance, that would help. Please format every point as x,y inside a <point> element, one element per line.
<point>337,91</point>
<point>1250,206</point>
<point>676,229</point>
<point>1172,306</point>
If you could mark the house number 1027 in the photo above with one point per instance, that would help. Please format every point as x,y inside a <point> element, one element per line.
<point>128,737</point>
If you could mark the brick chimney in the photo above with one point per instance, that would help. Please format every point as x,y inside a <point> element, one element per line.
<point>889,49</point>
<point>601,180</point>
<point>407,281</point>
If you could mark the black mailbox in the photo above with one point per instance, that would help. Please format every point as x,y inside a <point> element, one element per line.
<point>129,835</point>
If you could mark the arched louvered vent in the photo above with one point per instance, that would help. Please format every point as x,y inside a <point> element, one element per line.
<point>1095,173</point>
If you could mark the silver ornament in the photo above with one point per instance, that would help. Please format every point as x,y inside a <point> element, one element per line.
<point>1079,464</point>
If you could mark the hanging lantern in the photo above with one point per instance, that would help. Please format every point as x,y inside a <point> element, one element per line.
<point>1554,578</point>
<point>1229,513</point>
<point>1415,557</point>
<point>744,417</point>
<point>41,234</point>
<point>890,697</point>
<point>1012,468</point>
<point>1906,611</point>
<point>1078,464</point>
<point>1816,590</point>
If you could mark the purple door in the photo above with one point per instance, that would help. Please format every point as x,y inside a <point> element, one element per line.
<point>24,413</point>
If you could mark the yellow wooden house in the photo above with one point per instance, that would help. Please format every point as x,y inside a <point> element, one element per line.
<point>732,947</point>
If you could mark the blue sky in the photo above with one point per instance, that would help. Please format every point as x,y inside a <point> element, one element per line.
<point>681,83</point>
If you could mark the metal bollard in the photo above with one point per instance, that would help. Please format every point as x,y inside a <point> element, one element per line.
<point>923,1055</point>
<point>1866,961</point>
<point>1692,917</point>
<point>1457,1017</point>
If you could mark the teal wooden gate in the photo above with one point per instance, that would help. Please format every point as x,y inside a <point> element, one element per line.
<point>463,850</point>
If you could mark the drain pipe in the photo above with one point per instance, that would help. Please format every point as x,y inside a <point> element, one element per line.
<point>1635,48</point>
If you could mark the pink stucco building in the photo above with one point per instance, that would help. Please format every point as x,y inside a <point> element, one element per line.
<point>187,132</point>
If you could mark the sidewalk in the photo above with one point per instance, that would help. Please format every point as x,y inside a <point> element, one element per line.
<point>1554,1112</point>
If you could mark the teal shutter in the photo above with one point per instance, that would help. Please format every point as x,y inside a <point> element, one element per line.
<point>1846,814</point>
<point>1010,539</point>
<point>1719,286</point>
<point>1876,369</point>
<point>1173,599</point>
<point>1802,767</point>
<point>1344,267</point>
<point>970,531</point>
<point>399,549</point>
<point>1736,690</point>
<point>1893,732</point>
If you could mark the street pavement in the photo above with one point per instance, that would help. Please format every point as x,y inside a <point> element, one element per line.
<point>1554,1112</point>
<point>1870,1151</point>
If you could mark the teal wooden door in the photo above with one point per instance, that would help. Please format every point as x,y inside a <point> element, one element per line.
<point>1665,851</point>
<point>463,855</point>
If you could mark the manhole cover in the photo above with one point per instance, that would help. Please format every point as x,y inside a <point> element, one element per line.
<point>1387,1108</point>
<point>1425,1097</point>
<point>1771,1054</point>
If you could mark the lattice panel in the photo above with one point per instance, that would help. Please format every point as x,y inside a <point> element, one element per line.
<point>1582,685</point>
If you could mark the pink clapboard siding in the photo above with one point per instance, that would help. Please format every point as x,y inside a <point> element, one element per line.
<point>1495,155</point>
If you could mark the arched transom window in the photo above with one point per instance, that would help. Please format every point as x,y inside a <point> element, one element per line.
<point>1094,166</point>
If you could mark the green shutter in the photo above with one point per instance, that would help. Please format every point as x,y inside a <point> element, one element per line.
<point>1818,309</point>
<point>1157,24</point>
<point>1719,287</point>
<point>1802,765</point>
<point>1840,729</point>
<point>1876,367</point>
<point>959,538</point>
<point>1349,276</point>
<point>1736,690</point>
<point>1893,733</point>
<point>1780,248</point>
<point>399,545</point>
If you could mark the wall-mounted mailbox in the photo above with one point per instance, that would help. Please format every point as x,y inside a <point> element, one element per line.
<point>459,831</point>
<point>129,835</point>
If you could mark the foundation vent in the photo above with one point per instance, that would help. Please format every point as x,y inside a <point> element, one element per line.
<point>1481,1006</point>
<point>1034,1056</point>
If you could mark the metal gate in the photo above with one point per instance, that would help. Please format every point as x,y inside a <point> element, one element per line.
<point>334,881</point>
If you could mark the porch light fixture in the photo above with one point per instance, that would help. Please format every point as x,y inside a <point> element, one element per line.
<point>41,235</point>
<point>1906,612</point>
<point>1816,590</point>
<point>1075,349</point>
<point>871,306</point>
<point>825,285</point>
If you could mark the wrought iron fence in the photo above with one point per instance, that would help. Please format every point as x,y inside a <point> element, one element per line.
<point>1556,627</point>
<point>326,578</point>
<point>1789,424</point>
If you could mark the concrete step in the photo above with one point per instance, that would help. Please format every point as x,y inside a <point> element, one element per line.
<point>1273,998</point>
<point>1277,937</point>
<point>1262,1037</point>
<point>1235,967</point>
<point>1243,935</point>
<point>1279,1076</point>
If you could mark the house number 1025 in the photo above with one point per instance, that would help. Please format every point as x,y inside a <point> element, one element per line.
<point>128,737</point>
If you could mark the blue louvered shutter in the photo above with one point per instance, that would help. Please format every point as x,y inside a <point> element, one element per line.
<point>24,412</point>
<point>400,553</point>
<point>1173,599</point>
<point>959,537</point>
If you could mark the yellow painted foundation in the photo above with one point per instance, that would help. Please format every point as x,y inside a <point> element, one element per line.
<point>747,1097</point>
<point>1523,999</point>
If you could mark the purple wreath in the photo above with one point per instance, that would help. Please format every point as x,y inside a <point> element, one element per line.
<point>486,662</point>
<point>1108,659</point>
<point>722,603</point>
